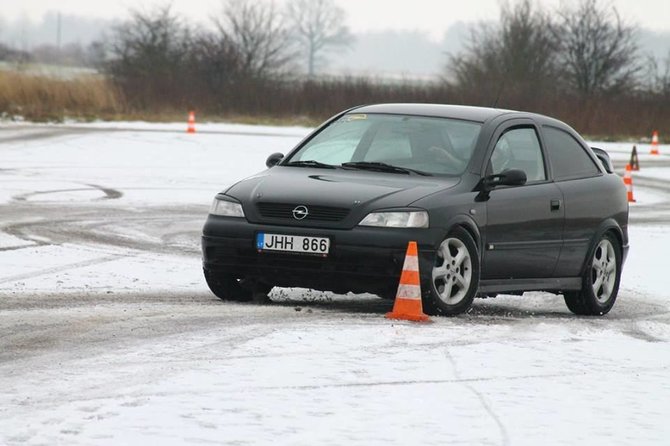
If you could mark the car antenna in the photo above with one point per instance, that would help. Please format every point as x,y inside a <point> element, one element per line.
<point>502,85</point>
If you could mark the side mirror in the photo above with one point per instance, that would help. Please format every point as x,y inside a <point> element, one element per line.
<point>509,177</point>
<point>274,159</point>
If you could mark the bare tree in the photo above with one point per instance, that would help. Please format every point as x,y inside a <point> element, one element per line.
<point>96,53</point>
<point>519,54</point>
<point>319,27</point>
<point>149,54</point>
<point>663,78</point>
<point>216,62</point>
<point>257,31</point>
<point>10,54</point>
<point>149,43</point>
<point>598,50</point>
<point>656,77</point>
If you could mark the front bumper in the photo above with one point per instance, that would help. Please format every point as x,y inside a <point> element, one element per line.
<point>362,259</point>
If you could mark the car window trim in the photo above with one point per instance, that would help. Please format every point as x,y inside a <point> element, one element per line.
<point>512,124</point>
<point>314,133</point>
<point>366,140</point>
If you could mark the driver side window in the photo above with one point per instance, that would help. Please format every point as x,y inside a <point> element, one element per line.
<point>519,148</point>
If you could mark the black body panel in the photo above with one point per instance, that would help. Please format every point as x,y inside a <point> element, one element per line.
<point>360,259</point>
<point>524,234</point>
<point>356,191</point>
<point>586,202</point>
<point>531,237</point>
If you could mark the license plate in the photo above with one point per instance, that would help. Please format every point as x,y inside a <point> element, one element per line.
<point>292,243</point>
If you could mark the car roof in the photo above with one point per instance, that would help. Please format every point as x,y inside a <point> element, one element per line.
<point>469,113</point>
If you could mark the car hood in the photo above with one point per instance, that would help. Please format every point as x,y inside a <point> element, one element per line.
<point>357,190</point>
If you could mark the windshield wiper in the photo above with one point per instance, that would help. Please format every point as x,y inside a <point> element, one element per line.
<point>383,167</point>
<point>310,163</point>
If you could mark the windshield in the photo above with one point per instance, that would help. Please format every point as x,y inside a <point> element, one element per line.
<point>432,145</point>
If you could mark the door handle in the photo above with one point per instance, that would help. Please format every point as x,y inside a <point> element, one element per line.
<point>555,205</point>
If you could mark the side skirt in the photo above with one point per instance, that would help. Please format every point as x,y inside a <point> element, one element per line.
<point>548,284</point>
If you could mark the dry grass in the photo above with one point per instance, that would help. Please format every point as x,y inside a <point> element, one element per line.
<point>39,97</point>
<point>43,98</point>
<point>89,96</point>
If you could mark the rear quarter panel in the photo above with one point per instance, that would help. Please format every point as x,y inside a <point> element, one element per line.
<point>592,206</point>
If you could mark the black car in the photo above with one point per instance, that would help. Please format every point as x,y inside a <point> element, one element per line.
<point>498,201</point>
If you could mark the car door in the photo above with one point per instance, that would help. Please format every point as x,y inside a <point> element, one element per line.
<point>524,229</point>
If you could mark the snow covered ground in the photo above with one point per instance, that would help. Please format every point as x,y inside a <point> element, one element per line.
<point>108,334</point>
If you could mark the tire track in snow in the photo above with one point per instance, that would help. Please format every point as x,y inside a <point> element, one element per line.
<point>653,183</point>
<point>660,162</point>
<point>410,382</point>
<point>60,268</point>
<point>91,228</point>
<point>38,132</point>
<point>637,333</point>
<point>504,436</point>
<point>651,214</point>
<point>110,194</point>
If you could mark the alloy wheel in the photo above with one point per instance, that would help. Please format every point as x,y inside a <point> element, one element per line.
<point>452,272</point>
<point>603,271</point>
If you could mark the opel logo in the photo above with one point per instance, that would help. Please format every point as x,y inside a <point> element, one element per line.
<point>300,212</point>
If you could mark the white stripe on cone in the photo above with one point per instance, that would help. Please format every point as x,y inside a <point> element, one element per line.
<point>411,263</point>
<point>409,292</point>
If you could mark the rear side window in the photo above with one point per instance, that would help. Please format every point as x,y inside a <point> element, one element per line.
<point>568,158</point>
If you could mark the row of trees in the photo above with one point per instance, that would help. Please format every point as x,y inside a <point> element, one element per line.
<point>579,63</point>
<point>157,58</point>
<point>10,54</point>
<point>253,36</point>
<point>586,50</point>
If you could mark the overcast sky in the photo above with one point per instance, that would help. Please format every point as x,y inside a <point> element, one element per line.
<point>431,16</point>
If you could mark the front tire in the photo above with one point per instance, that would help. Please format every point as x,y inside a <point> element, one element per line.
<point>454,277</point>
<point>227,287</point>
<point>600,281</point>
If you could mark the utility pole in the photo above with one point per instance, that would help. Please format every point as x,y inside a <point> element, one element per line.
<point>58,31</point>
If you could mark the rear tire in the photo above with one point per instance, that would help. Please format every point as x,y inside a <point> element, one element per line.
<point>451,285</point>
<point>227,287</point>
<point>600,281</point>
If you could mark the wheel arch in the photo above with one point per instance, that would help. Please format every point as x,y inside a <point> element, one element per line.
<point>432,302</point>
<point>610,226</point>
<point>469,225</point>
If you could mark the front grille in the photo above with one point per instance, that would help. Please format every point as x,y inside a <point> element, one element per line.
<point>315,213</point>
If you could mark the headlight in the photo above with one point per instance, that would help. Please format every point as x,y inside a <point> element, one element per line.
<point>408,219</point>
<point>226,208</point>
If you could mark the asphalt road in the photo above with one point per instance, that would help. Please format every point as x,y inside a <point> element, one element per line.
<point>47,333</point>
<point>117,230</point>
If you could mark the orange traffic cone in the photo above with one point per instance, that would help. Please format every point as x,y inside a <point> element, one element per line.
<point>191,122</point>
<point>634,160</point>
<point>654,143</point>
<point>408,298</point>
<point>628,181</point>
